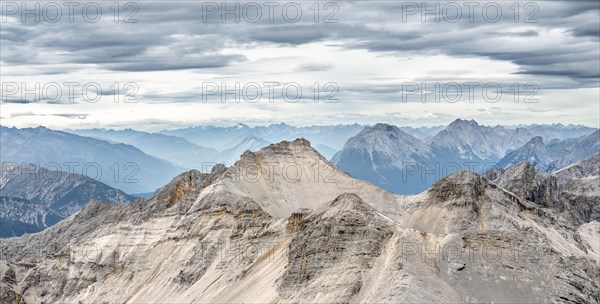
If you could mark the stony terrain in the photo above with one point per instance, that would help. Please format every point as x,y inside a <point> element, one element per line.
<point>284,225</point>
<point>573,191</point>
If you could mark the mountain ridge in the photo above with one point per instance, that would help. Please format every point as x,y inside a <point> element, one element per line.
<point>463,144</point>
<point>38,198</point>
<point>347,240</point>
<point>135,171</point>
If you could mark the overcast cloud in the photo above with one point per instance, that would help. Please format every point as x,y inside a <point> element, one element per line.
<point>370,50</point>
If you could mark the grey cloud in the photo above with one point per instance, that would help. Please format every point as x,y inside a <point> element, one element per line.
<point>174,36</point>
<point>18,101</point>
<point>528,33</point>
<point>289,34</point>
<point>66,115</point>
<point>72,115</point>
<point>162,64</point>
<point>314,67</point>
<point>587,30</point>
<point>22,114</point>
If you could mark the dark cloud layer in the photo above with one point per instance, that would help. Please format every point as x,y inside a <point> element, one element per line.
<point>176,35</point>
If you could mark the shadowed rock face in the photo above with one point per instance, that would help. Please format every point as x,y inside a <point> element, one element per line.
<point>332,248</point>
<point>216,238</point>
<point>465,185</point>
<point>572,191</point>
<point>524,181</point>
<point>33,198</point>
<point>580,187</point>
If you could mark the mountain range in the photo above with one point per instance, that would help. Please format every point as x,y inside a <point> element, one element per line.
<point>260,230</point>
<point>555,155</point>
<point>118,165</point>
<point>34,198</point>
<point>221,138</point>
<point>387,157</point>
<point>399,162</point>
<point>176,150</point>
<point>404,159</point>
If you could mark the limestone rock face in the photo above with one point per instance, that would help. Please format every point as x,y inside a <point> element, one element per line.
<point>223,237</point>
<point>580,187</point>
<point>573,191</point>
<point>524,181</point>
<point>333,249</point>
<point>8,293</point>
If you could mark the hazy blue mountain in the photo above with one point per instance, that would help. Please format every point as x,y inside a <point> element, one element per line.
<point>176,150</point>
<point>569,151</point>
<point>557,131</point>
<point>577,148</point>
<point>33,198</point>
<point>223,138</point>
<point>252,143</point>
<point>215,137</point>
<point>467,141</point>
<point>325,150</point>
<point>387,157</point>
<point>115,136</point>
<point>422,133</point>
<point>534,152</point>
<point>19,216</point>
<point>230,141</point>
<point>120,166</point>
<point>382,155</point>
<point>555,155</point>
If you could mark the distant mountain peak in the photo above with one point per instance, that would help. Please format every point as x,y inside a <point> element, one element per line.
<point>463,123</point>
<point>534,152</point>
<point>252,137</point>
<point>380,154</point>
<point>536,142</point>
<point>281,124</point>
<point>384,127</point>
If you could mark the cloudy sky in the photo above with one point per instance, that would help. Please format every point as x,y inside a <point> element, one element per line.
<point>165,64</point>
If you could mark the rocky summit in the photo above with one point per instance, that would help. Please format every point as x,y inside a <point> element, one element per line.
<point>285,225</point>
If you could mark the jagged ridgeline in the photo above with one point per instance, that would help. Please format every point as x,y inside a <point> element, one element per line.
<point>33,198</point>
<point>285,225</point>
<point>405,162</point>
